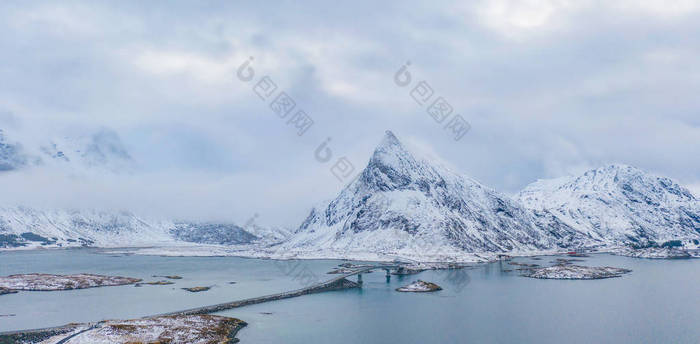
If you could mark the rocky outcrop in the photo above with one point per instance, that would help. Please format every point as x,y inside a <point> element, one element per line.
<point>420,287</point>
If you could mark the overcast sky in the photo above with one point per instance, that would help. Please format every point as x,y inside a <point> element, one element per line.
<point>549,87</point>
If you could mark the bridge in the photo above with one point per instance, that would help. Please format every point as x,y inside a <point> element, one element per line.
<point>337,283</point>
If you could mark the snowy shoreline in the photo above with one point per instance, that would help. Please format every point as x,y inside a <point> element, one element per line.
<point>256,252</point>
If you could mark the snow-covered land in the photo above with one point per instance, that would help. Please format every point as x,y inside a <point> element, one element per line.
<point>48,282</point>
<point>659,253</point>
<point>420,287</point>
<point>192,329</point>
<point>577,272</point>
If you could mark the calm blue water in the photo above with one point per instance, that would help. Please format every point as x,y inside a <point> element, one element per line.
<point>659,302</point>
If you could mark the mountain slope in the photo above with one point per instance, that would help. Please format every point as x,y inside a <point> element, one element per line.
<point>29,227</point>
<point>405,206</point>
<point>78,228</point>
<point>619,204</point>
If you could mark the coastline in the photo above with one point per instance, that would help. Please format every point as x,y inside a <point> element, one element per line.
<point>247,252</point>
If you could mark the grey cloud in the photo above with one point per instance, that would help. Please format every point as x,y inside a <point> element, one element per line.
<point>549,90</point>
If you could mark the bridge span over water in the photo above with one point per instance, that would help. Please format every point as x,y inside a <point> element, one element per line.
<point>339,282</point>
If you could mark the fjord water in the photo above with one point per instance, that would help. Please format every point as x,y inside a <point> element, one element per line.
<point>659,302</point>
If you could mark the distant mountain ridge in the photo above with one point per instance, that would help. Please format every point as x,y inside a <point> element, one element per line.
<point>619,204</point>
<point>30,227</point>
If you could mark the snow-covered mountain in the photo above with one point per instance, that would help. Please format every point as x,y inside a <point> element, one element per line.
<point>620,205</point>
<point>23,226</point>
<point>406,206</point>
<point>29,227</point>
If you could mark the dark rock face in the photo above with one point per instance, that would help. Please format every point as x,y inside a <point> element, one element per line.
<point>212,233</point>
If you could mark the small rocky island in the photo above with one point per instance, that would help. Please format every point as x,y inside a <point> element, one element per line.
<point>195,329</point>
<point>419,287</point>
<point>4,291</point>
<point>575,272</point>
<point>196,289</point>
<point>49,282</point>
<point>170,276</point>
<point>153,283</point>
